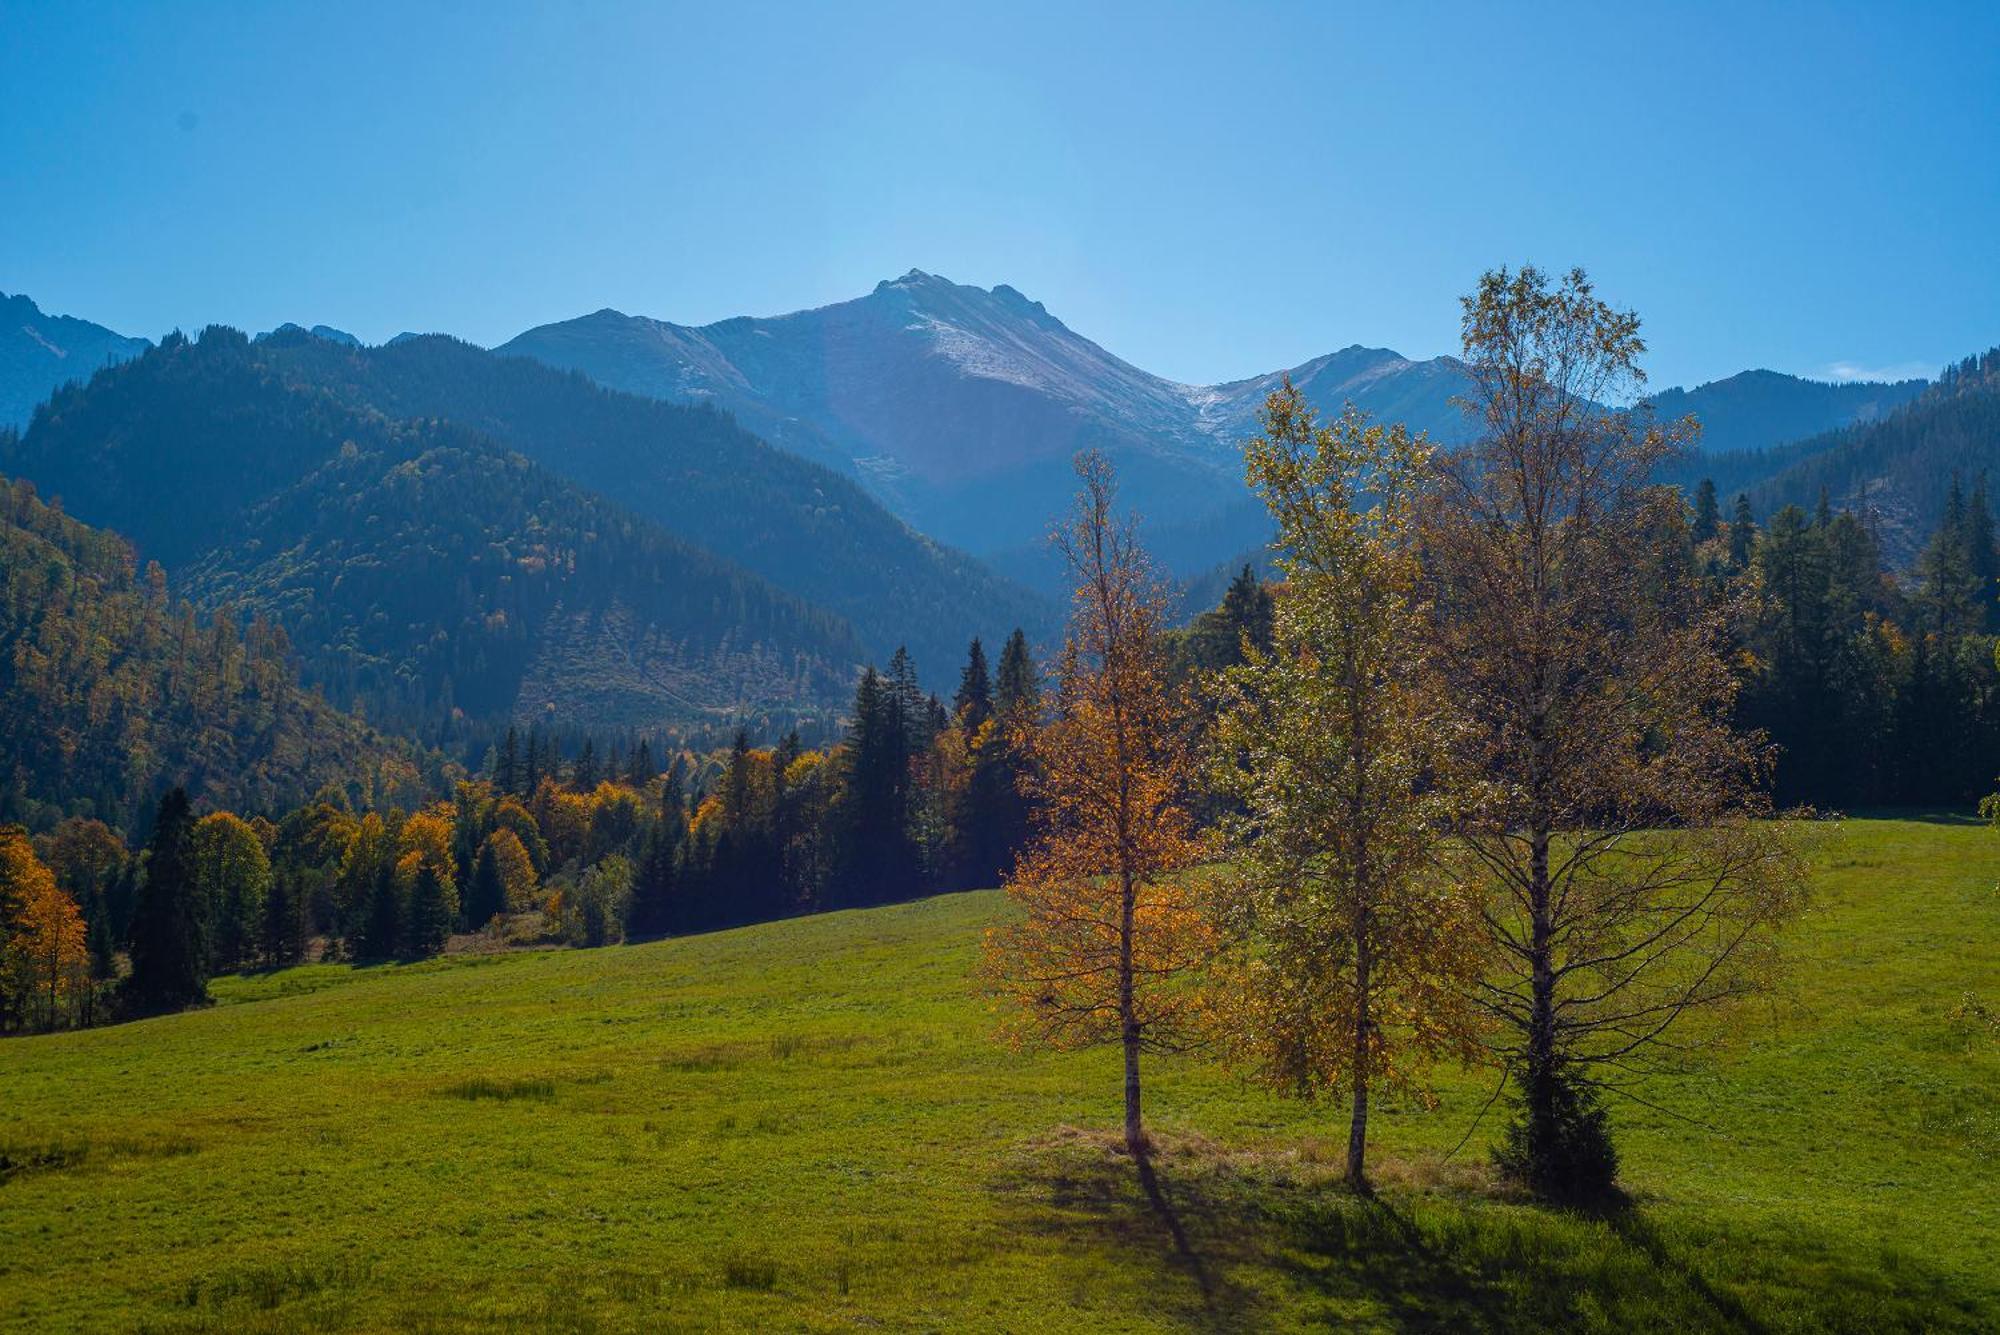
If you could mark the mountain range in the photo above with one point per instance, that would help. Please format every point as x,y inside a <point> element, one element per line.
<point>960,408</point>
<point>626,520</point>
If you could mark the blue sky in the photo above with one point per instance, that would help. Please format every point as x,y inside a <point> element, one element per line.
<point>1209,192</point>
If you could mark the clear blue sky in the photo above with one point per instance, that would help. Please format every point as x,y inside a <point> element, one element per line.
<point>1210,192</point>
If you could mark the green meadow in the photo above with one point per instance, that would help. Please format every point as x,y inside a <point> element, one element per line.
<point>807,1125</point>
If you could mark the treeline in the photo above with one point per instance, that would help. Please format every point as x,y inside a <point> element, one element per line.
<point>1878,691</point>
<point>584,848</point>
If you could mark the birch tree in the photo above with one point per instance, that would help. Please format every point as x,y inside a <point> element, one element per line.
<point>1355,950</point>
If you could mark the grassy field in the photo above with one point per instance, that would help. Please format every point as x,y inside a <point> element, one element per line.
<point>805,1125</point>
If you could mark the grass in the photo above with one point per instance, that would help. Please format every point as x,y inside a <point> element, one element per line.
<point>806,1125</point>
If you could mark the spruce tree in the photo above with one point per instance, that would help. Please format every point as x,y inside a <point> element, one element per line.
<point>169,964</point>
<point>486,894</point>
<point>1983,556</point>
<point>876,857</point>
<point>1019,691</point>
<point>531,774</point>
<point>974,701</point>
<point>1707,512</point>
<point>507,765</point>
<point>651,910</point>
<point>382,930</point>
<point>641,771</point>
<point>585,777</point>
<point>1742,533</point>
<point>431,912</point>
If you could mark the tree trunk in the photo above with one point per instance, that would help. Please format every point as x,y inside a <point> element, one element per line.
<point>1357,1127</point>
<point>1541,1082</point>
<point>1135,1133</point>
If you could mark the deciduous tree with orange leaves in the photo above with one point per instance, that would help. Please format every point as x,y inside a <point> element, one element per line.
<point>44,964</point>
<point>1109,923</point>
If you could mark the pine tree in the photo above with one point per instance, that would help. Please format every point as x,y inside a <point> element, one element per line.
<point>431,913</point>
<point>584,778</point>
<point>382,930</point>
<point>973,704</point>
<point>1742,534</point>
<point>1019,690</point>
<point>1707,513</point>
<point>169,956</point>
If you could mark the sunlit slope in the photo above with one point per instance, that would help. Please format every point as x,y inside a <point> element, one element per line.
<point>807,1125</point>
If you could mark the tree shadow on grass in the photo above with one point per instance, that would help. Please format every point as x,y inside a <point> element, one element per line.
<point>1217,1241</point>
<point>1175,1233</point>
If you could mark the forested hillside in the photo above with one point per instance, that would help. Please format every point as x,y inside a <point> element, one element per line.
<point>1896,470</point>
<point>694,471</point>
<point>111,691</point>
<point>1755,410</point>
<point>430,572</point>
<point>425,574</point>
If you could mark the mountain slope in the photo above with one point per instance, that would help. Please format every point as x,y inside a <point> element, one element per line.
<point>39,352</point>
<point>700,475</point>
<point>1899,469</point>
<point>110,692</point>
<point>961,407</point>
<point>421,569</point>
<point>1759,409</point>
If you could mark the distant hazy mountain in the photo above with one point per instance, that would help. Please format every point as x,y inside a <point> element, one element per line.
<point>961,407</point>
<point>39,352</point>
<point>422,570</point>
<point>1755,410</point>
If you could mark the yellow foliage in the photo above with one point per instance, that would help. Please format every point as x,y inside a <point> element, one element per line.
<point>44,965</point>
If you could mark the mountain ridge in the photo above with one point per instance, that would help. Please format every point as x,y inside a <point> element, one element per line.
<point>959,407</point>
<point>39,353</point>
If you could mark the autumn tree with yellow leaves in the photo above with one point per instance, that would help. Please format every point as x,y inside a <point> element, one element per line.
<point>1108,923</point>
<point>1355,950</point>
<point>44,963</point>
